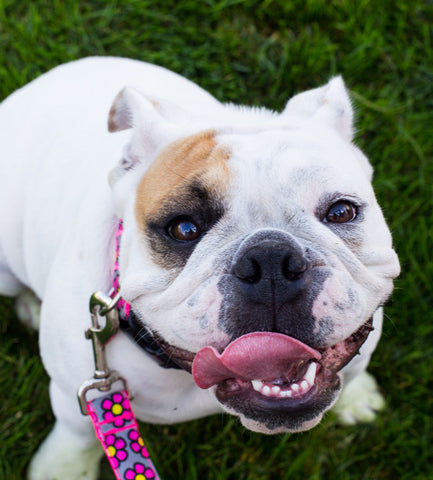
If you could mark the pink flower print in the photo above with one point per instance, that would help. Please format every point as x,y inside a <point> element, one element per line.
<point>140,472</point>
<point>117,409</point>
<point>115,448</point>
<point>137,444</point>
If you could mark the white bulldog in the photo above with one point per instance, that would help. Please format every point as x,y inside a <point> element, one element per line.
<point>254,253</point>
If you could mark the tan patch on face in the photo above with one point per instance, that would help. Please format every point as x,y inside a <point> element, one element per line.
<point>194,157</point>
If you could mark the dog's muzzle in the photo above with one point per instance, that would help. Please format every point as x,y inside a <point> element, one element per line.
<point>269,372</point>
<point>270,377</point>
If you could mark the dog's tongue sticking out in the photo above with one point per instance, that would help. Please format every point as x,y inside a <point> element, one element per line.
<point>258,355</point>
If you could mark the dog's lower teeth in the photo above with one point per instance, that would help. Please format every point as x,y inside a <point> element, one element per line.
<point>310,374</point>
<point>284,390</point>
<point>266,390</point>
<point>257,385</point>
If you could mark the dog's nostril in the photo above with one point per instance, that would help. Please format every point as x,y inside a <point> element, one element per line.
<point>248,270</point>
<point>293,267</point>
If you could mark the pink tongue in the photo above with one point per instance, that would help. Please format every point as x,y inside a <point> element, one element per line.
<point>254,356</point>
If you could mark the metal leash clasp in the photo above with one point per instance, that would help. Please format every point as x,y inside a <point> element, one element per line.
<point>101,307</point>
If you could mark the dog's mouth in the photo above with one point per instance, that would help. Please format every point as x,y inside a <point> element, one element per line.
<point>272,378</point>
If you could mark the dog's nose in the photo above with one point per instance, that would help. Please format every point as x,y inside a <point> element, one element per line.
<point>270,262</point>
<point>271,272</point>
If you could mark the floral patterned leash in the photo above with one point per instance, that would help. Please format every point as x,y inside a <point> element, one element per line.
<point>111,414</point>
<point>117,430</point>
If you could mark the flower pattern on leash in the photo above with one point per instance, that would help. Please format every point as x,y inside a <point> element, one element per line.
<point>140,472</point>
<point>116,449</point>
<point>116,409</point>
<point>118,432</point>
<point>137,443</point>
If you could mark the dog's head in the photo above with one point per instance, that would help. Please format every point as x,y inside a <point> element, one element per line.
<point>254,249</point>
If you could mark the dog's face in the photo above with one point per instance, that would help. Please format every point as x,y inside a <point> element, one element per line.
<point>254,251</point>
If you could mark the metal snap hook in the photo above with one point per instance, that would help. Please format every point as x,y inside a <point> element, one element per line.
<point>105,324</point>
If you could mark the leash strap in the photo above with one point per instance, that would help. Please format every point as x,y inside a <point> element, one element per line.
<point>117,430</point>
<point>111,414</point>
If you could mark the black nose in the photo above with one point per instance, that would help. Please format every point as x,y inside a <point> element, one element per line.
<point>271,272</point>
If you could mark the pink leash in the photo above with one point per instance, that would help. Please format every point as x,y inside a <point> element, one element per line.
<point>115,425</point>
<point>117,430</point>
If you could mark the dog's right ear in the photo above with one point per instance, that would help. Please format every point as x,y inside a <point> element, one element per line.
<point>131,108</point>
<point>121,116</point>
<point>154,122</point>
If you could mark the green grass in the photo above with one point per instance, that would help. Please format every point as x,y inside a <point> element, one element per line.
<point>261,53</point>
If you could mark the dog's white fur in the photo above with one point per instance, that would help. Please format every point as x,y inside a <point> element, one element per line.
<point>59,217</point>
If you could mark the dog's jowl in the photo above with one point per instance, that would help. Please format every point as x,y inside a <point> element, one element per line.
<point>254,256</point>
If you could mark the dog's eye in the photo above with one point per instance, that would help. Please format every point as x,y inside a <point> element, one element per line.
<point>341,212</point>
<point>184,229</point>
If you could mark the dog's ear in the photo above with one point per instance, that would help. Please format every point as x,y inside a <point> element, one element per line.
<point>121,115</point>
<point>330,103</point>
<point>131,108</point>
<point>154,123</point>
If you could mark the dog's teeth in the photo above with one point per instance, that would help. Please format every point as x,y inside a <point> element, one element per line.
<point>271,389</point>
<point>310,375</point>
<point>266,390</point>
<point>286,393</point>
<point>257,385</point>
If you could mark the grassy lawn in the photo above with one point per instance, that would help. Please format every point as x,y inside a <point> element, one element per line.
<point>262,52</point>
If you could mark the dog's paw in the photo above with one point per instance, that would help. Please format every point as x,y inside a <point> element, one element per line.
<point>360,401</point>
<point>65,457</point>
<point>28,308</point>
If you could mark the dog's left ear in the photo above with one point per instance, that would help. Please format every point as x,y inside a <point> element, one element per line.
<point>330,103</point>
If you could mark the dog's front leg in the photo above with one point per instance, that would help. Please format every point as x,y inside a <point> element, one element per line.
<point>71,451</point>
